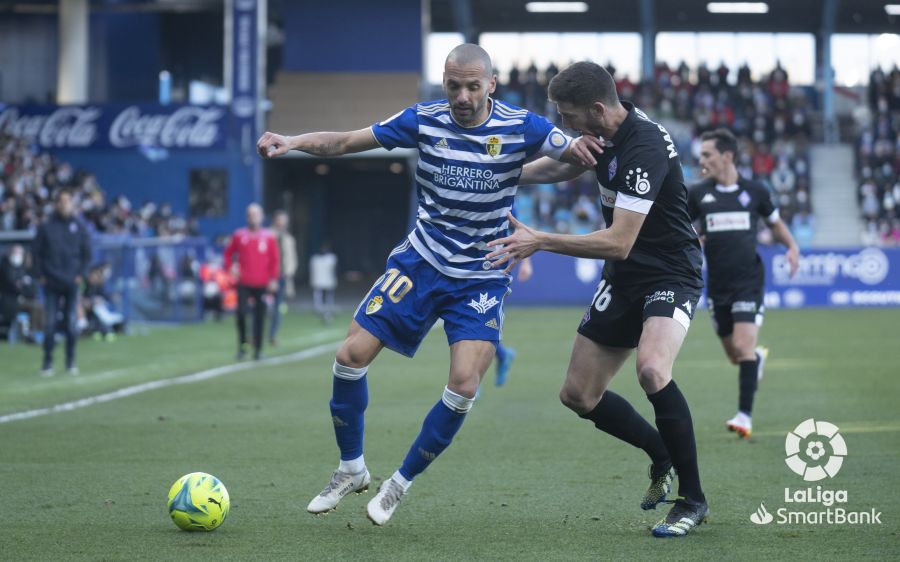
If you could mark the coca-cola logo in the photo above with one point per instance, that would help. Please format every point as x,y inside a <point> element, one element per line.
<point>65,127</point>
<point>90,127</point>
<point>187,127</point>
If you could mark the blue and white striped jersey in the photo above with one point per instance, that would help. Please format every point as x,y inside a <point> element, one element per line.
<point>467,177</point>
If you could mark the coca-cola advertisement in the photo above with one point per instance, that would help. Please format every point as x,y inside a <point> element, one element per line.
<point>117,126</point>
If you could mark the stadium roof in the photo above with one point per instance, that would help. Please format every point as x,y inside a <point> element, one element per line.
<point>853,16</point>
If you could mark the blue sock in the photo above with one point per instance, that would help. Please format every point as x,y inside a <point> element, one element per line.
<point>349,398</point>
<point>438,429</point>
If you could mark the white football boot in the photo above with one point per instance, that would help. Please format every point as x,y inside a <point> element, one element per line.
<point>341,484</point>
<point>382,506</point>
<point>741,424</point>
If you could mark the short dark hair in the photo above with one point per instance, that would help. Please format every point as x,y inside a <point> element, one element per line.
<point>582,84</point>
<point>724,139</point>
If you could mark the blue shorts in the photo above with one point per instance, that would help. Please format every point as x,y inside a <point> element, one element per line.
<point>408,299</point>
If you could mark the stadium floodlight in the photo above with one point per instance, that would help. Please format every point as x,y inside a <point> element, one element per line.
<point>892,9</point>
<point>737,8</point>
<point>560,7</point>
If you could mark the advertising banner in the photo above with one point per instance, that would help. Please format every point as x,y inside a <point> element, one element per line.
<point>855,277</point>
<point>105,126</point>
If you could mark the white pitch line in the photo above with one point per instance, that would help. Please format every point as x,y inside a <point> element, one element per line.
<point>163,383</point>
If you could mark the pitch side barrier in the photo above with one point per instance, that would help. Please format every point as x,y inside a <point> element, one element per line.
<point>846,277</point>
<point>149,279</point>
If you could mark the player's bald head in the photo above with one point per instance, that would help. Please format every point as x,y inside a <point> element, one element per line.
<point>470,55</point>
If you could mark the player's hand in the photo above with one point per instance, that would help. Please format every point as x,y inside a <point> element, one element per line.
<point>271,145</point>
<point>526,270</point>
<point>793,258</point>
<point>273,286</point>
<point>515,247</point>
<point>583,149</point>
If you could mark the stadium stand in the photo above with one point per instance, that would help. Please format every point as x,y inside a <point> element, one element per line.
<point>29,178</point>
<point>878,161</point>
<point>770,118</point>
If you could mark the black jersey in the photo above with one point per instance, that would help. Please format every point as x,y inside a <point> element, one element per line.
<point>640,171</point>
<point>728,217</point>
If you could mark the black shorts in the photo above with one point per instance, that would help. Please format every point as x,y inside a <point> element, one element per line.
<point>743,306</point>
<point>616,315</point>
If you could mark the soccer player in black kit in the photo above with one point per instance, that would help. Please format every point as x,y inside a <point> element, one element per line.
<point>728,209</point>
<point>649,289</point>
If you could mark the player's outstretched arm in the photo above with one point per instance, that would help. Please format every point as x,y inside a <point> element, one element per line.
<point>613,243</point>
<point>271,145</point>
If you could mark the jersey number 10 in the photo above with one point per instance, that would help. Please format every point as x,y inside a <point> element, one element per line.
<point>395,286</point>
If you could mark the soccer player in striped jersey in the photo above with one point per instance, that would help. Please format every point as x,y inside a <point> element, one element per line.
<point>471,152</point>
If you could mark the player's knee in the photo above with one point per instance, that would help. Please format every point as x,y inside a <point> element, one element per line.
<point>652,378</point>
<point>466,387</point>
<point>348,356</point>
<point>576,401</point>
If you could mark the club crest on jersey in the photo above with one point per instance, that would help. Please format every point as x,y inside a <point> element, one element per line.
<point>613,167</point>
<point>744,198</point>
<point>374,305</point>
<point>493,146</point>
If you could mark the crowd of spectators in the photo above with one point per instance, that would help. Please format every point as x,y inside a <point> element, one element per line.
<point>770,118</point>
<point>878,160</point>
<point>29,181</point>
<point>30,177</point>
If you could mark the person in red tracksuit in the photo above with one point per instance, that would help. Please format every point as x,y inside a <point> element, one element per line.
<point>257,273</point>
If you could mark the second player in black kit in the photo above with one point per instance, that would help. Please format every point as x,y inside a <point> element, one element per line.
<point>729,220</point>
<point>649,289</point>
<point>728,209</point>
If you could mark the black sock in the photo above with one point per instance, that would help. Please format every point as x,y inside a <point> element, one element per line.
<point>747,385</point>
<point>673,419</point>
<point>614,415</point>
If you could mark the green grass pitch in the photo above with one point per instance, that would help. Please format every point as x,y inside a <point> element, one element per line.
<point>525,479</point>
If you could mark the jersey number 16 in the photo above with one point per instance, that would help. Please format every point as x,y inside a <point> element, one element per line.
<point>603,296</point>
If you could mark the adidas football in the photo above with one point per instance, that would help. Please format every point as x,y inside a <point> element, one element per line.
<point>198,502</point>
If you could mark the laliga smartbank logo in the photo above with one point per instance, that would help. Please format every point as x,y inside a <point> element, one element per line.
<point>824,447</point>
<point>815,450</point>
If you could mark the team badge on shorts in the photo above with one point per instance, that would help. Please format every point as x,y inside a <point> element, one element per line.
<point>374,305</point>
<point>493,146</point>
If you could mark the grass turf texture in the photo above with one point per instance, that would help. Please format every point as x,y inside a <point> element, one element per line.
<point>524,479</point>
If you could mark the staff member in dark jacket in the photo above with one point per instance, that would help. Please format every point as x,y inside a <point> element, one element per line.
<point>62,253</point>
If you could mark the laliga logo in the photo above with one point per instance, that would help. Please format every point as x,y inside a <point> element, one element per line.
<point>816,438</point>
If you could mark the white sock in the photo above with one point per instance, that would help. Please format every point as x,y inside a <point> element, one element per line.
<point>399,479</point>
<point>353,466</point>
